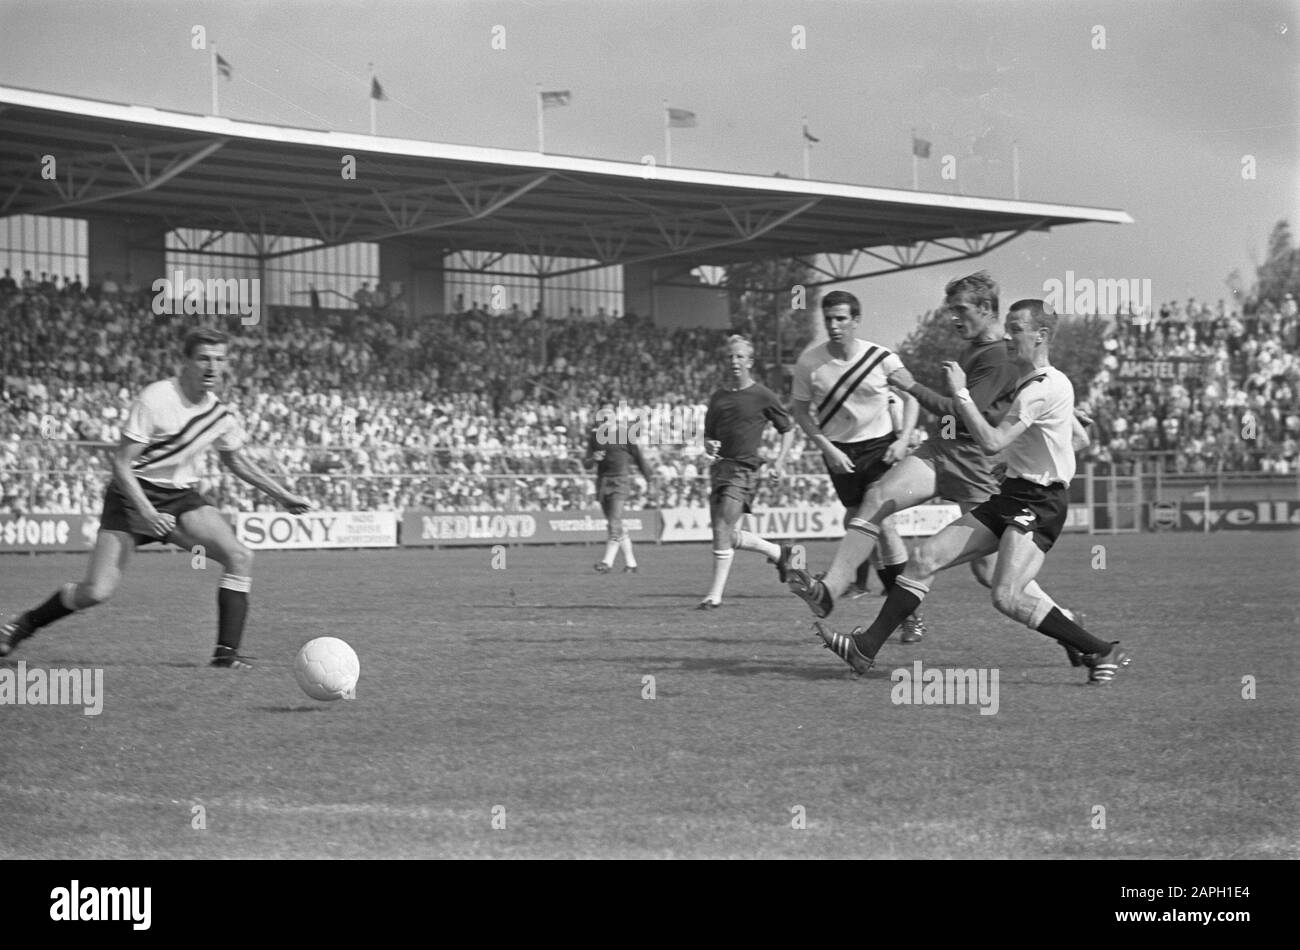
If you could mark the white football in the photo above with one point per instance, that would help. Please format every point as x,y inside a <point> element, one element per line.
<point>327,668</point>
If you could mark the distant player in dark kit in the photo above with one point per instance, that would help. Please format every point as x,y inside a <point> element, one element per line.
<point>613,457</point>
<point>733,431</point>
<point>151,498</point>
<point>842,390</point>
<point>1020,523</point>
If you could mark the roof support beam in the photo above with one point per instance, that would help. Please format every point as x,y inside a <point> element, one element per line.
<point>74,197</point>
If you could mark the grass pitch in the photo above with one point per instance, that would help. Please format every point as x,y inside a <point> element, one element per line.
<point>503,713</point>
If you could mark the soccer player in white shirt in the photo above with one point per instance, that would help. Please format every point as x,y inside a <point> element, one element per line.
<point>841,392</point>
<point>1021,522</point>
<point>151,498</point>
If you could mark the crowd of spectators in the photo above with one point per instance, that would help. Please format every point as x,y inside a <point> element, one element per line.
<point>462,412</point>
<point>361,413</point>
<point>1228,398</point>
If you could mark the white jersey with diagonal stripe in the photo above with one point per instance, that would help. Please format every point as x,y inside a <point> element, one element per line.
<point>849,398</point>
<point>1043,453</point>
<point>177,432</point>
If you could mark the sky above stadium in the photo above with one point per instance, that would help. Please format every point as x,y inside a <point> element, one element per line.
<point>1184,114</point>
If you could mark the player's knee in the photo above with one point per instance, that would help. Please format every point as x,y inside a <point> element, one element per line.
<point>1005,597</point>
<point>921,564</point>
<point>239,560</point>
<point>874,505</point>
<point>93,593</point>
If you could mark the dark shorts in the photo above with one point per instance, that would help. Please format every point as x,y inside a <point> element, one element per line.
<point>869,465</point>
<point>962,472</point>
<point>173,501</point>
<point>1029,507</point>
<point>607,485</point>
<point>733,480</point>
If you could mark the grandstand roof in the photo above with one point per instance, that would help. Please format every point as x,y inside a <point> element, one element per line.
<point>186,170</point>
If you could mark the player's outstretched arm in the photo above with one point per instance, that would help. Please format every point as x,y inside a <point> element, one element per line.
<point>984,385</point>
<point>989,439</point>
<point>245,469</point>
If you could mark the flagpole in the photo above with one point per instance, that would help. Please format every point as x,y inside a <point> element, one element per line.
<point>807,152</point>
<point>668,136</point>
<point>541,128</point>
<point>916,166</point>
<point>1015,169</point>
<point>370,92</point>
<point>216,103</point>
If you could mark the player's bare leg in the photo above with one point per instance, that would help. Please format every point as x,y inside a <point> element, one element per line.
<point>612,506</point>
<point>726,514</point>
<point>108,562</point>
<point>983,569</point>
<point>206,527</point>
<point>963,540</point>
<point>910,482</point>
<point>1016,594</point>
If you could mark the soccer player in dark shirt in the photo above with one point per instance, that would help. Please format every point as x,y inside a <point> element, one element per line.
<point>151,498</point>
<point>733,431</point>
<point>613,457</point>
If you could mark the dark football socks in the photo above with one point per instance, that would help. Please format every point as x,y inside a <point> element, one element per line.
<point>232,610</point>
<point>900,604</point>
<point>888,573</point>
<point>1064,630</point>
<point>48,612</point>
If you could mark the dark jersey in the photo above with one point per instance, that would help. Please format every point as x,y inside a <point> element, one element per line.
<point>737,417</point>
<point>619,456</point>
<point>991,378</point>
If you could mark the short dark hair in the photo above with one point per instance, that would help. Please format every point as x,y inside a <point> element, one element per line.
<point>1042,316</point>
<point>204,337</point>
<point>980,285</point>
<point>838,298</point>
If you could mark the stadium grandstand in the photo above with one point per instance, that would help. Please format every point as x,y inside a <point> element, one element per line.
<point>436,330</point>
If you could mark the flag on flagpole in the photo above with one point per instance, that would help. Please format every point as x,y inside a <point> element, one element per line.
<point>553,100</point>
<point>920,147</point>
<point>808,135</point>
<point>224,68</point>
<point>989,146</point>
<point>680,119</point>
<point>376,90</point>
